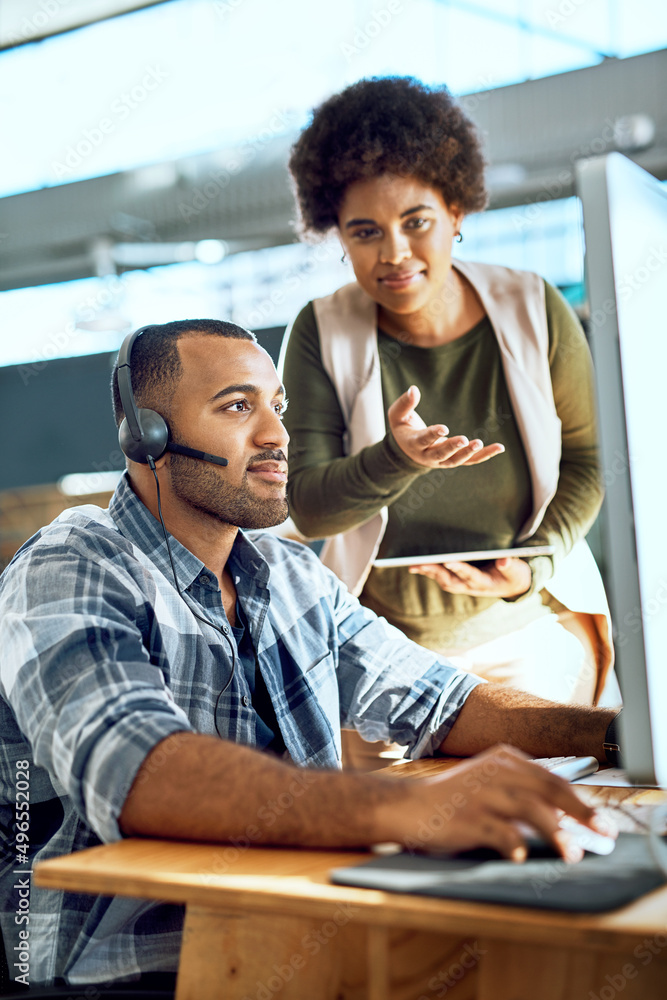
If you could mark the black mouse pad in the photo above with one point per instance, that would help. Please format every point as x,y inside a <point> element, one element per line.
<point>596,883</point>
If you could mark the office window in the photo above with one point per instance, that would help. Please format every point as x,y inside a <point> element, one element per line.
<point>193,75</point>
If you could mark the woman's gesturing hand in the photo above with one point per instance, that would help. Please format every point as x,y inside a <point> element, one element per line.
<point>430,446</point>
<point>487,800</point>
<point>507,577</point>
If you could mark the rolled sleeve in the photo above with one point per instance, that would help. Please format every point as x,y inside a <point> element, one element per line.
<point>392,689</point>
<point>83,689</point>
<point>117,756</point>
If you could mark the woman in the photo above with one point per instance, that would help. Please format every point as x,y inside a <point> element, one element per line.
<point>420,339</point>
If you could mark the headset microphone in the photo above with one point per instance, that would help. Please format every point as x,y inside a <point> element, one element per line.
<point>144,433</point>
<point>181,449</point>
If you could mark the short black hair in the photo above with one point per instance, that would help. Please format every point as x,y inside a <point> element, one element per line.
<point>386,125</point>
<point>156,362</point>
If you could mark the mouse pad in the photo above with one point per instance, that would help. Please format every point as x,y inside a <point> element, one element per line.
<point>597,883</point>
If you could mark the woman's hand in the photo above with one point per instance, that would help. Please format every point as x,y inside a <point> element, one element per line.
<point>430,446</point>
<point>508,577</point>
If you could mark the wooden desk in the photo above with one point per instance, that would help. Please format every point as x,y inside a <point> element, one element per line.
<point>264,923</point>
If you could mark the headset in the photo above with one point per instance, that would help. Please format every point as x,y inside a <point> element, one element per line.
<point>144,433</point>
<point>144,437</point>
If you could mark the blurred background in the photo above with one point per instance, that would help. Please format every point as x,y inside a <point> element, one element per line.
<point>144,176</point>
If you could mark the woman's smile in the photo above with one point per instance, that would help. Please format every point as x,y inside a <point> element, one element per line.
<point>397,281</point>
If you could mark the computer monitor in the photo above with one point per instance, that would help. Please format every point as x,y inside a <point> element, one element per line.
<point>625,227</point>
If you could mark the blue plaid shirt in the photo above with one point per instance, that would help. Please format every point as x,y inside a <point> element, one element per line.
<point>100,659</point>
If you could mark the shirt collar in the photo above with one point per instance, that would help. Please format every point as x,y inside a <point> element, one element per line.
<point>138,525</point>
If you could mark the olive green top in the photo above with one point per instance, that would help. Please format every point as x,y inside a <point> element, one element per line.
<point>432,510</point>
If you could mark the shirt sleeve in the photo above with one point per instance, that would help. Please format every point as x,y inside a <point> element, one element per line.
<point>329,491</point>
<point>78,678</point>
<point>390,688</point>
<point>578,497</point>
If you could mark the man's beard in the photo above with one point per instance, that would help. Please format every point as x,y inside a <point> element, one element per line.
<point>202,488</point>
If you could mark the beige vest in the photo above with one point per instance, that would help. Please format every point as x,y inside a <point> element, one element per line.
<point>514,303</point>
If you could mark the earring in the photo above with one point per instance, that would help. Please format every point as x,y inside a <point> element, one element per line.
<point>343,259</point>
<point>459,237</point>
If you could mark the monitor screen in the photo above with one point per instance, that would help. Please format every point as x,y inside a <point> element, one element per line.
<point>625,225</point>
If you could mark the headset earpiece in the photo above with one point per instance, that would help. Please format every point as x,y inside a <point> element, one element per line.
<point>153,440</point>
<point>144,434</point>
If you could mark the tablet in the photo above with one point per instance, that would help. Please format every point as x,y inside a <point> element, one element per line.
<point>479,556</point>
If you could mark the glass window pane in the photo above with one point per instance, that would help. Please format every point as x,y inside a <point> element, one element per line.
<point>590,22</point>
<point>641,26</point>
<point>165,82</point>
<point>257,289</point>
<point>545,237</point>
<point>548,56</point>
<point>476,53</point>
<point>505,8</point>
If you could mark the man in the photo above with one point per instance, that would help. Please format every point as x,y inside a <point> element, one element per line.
<point>117,679</point>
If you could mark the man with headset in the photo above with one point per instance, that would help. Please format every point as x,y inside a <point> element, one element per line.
<point>152,651</point>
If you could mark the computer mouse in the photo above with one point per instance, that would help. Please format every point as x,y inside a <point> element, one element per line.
<point>537,847</point>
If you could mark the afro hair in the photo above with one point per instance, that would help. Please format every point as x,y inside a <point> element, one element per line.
<point>386,125</point>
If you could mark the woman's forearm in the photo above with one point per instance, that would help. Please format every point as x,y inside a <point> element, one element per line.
<point>329,491</point>
<point>341,494</point>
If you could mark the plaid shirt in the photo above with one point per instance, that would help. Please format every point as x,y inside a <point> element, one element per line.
<point>101,659</point>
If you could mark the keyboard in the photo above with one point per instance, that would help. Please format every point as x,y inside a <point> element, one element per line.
<point>569,768</point>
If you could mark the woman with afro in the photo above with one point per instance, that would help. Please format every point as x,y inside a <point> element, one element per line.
<point>441,406</point>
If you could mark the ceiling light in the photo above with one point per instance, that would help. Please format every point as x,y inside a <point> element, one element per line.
<point>210,251</point>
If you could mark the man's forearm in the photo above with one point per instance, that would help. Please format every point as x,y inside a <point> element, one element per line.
<point>196,787</point>
<point>494,714</point>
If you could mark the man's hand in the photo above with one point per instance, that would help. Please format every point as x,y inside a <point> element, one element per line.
<point>508,577</point>
<point>430,446</point>
<point>482,802</point>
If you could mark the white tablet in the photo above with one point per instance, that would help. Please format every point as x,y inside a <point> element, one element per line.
<point>482,555</point>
